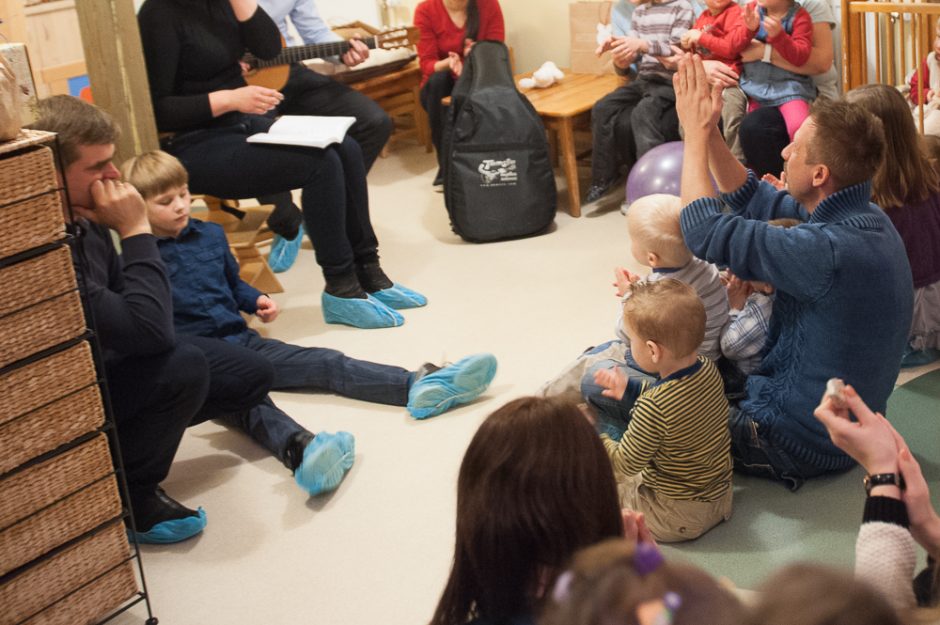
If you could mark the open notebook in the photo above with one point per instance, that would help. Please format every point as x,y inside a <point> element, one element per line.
<point>312,131</point>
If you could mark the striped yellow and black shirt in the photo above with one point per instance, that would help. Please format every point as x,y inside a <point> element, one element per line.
<point>678,436</point>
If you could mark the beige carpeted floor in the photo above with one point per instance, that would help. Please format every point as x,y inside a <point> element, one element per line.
<point>378,549</point>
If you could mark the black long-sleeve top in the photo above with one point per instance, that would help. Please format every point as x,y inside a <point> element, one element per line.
<point>129,295</point>
<point>192,48</point>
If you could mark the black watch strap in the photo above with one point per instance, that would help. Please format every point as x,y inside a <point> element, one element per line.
<point>882,479</point>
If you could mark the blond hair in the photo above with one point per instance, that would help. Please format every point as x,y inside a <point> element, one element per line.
<point>668,312</point>
<point>653,222</point>
<point>154,172</point>
<point>608,582</point>
<point>811,594</point>
<point>77,123</point>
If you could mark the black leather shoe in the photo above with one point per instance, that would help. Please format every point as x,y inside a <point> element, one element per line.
<point>157,507</point>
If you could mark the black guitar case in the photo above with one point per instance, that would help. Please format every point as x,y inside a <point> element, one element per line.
<point>498,180</point>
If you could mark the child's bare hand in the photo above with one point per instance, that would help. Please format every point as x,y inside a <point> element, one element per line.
<point>773,27</point>
<point>751,16</point>
<point>623,278</point>
<point>780,184</point>
<point>690,38</point>
<point>267,309</point>
<point>614,381</point>
<point>634,527</point>
<point>738,290</point>
<point>930,95</point>
<point>604,47</point>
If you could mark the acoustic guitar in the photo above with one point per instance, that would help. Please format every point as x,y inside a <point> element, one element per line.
<point>273,73</point>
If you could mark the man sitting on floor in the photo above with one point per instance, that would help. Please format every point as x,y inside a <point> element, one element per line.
<point>158,383</point>
<point>844,290</point>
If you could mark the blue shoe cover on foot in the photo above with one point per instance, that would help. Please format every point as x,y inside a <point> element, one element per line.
<point>172,531</point>
<point>284,251</point>
<point>326,460</point>
<point>400,297</point>
<point>359,313</point>
<point>451,386</point>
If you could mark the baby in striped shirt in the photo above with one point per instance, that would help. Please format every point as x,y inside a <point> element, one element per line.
<point>673,463</point>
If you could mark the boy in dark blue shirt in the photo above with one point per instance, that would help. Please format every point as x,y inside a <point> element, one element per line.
<point>207,297</point>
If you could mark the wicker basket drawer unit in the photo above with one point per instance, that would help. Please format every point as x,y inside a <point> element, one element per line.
<point>52,524</point>
<point>50,583</point>
<point>30,204</point>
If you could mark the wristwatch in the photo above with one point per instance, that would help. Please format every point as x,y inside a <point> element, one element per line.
<point>882,479</point>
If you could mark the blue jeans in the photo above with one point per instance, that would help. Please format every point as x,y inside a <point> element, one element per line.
<point>313,369</point>
<point>613,416</point>
<point>754,454</point>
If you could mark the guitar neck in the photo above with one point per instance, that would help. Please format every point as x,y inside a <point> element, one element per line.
<point>296,54</point>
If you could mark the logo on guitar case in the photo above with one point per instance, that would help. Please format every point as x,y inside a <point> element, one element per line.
<point>495,173</point>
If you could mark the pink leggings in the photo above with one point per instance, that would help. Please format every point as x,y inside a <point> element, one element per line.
<point>794,113</point>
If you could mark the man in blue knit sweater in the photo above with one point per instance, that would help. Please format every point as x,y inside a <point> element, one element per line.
<point>844,289</point>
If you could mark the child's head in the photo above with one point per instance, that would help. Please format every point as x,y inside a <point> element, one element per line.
<point>535,486</point>
<point>715,7</point>
<point>810,594</point>
<point>617,583</point>
<point>666,313</point>
<point>163,182</point>
<point>655,234</point>
<point>905,174</point>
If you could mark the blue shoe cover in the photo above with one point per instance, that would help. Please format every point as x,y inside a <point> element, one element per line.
<point>400,297</point>
<point>172,531</point>
<point>284,251</point>
<point>359,313</point>
<point>451,386</point>
<point>326,460</point>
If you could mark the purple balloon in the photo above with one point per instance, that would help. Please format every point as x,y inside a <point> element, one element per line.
<point>657,171</point>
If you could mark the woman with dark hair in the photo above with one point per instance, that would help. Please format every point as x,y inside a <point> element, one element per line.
<point>448,30</point>
<point>535,486</point>
<point>907,188</point>
<point>206,112</point>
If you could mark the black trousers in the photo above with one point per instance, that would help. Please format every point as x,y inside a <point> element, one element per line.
<point>439,85</point>
<point>155,398</point>
<point>763,135</point>
<point>628,122</point>
<point>335,200</point>
<point>310,93</point>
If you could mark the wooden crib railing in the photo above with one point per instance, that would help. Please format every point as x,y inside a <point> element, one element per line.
<point>883,41</point>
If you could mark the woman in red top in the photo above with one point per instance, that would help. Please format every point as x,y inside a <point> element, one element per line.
<point>448,29</point>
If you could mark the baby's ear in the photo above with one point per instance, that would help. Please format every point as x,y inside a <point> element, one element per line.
<point>652,259</point>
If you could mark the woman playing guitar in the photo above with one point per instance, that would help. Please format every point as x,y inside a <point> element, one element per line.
<point>192,49</point>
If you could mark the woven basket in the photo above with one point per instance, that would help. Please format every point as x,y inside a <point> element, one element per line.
<point>46,583</point>
<point>39,383</point>
<point>27,173</point>
<point>54,526</point>
<point>32,489</point>
<point>37,279</point>
<point>30,223</point>
<point>40,327</point>
<point>44,429</point>
<point>92,602</point>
